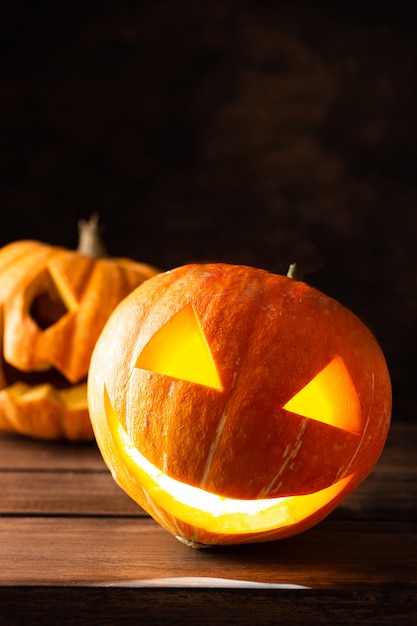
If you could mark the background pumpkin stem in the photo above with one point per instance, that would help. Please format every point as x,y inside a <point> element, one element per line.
<point>292,271</point>
<point>89,241</point>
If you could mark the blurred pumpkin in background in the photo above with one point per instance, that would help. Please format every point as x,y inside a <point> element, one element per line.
<point>54,303</point>
<point>235,405</point>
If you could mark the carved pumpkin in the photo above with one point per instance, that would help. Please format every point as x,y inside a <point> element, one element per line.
<point>235,405</point>
<point>53,305</point>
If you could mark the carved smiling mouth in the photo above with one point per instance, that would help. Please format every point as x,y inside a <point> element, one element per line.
<point>28,386</point>
<point>52,377</point>
<point>210,511</point>
<point>26,390</point>
<point>43,404</point>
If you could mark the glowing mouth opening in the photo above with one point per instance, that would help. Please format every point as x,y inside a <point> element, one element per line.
<point>208,510</point>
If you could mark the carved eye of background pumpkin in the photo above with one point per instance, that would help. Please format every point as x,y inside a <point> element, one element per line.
<point>53,300</point>
<point>53,305</point>
<point>235,405</point>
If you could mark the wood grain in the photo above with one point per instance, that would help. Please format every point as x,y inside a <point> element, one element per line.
<point>76,550</point>
<point>120,551</point>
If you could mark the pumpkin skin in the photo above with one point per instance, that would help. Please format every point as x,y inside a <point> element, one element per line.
<point>238,449</point>
<point>54,303</point>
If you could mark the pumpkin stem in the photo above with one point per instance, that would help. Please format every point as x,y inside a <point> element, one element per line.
<point>292,271</point>
<point>89,242</point>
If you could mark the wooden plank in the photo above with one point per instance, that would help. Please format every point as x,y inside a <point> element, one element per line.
<point>107,606</point>
<point>76,549</point>
<point>95,493</point>
<point>120,551</point>
<point>59,479</point>
<point>388,496</point>
<point>18,452</point>
<point>23,453</point>
<point>63,493</point>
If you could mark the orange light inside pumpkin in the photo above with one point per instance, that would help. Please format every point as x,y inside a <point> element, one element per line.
<point>179,349</point>
<point>330,398</point>
<point>210,511</point>
<point>235,405</point>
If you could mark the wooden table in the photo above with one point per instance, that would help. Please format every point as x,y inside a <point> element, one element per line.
<point>75,549</point>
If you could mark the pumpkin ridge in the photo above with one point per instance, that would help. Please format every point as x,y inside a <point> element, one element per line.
<point>247,294</point>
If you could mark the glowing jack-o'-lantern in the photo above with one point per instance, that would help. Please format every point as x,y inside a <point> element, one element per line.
<point>235,405</point>
<point>53,305</point>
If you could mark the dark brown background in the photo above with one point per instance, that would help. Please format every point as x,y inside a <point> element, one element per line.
<point>248,132</point>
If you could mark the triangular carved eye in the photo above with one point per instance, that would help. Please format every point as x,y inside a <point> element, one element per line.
<point>330,397</point>
<point>179,349</point>
<point>53,300</point>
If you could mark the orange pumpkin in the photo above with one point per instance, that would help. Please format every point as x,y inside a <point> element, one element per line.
<point>53,305</point>
<point>235,405</point>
